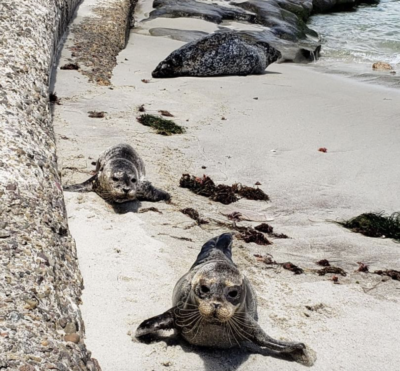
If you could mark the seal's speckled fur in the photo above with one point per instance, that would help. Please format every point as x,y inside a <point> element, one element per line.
<point>119,178</point>
<point>222,53</point>
<point>214,305</point>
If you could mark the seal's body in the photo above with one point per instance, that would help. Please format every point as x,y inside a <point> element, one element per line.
<point>120,177</point>
<point>221,53</point>
<point>214,305</point>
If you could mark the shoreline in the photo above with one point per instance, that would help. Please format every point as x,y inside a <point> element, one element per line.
<point>297,111</point>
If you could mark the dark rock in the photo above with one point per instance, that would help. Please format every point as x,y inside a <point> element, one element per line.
<point>181,35</point>
<point>195,9</point>
<point>221,53</point>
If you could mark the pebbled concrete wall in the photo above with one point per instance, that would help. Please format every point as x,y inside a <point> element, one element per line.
<point>40,284</point>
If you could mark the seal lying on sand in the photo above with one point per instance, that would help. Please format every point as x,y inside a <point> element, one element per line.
<point>222,53</point>
<point>120,178</point>
<point>214,305</point>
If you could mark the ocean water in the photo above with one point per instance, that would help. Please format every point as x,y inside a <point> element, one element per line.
<point>354,40</point>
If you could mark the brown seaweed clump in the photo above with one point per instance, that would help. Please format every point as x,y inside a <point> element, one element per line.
<point>251,235</point>
<point>268,259</point>
<point>221,193</point>
<point>393,274</point>
<point>266,228</point>
<point>194,214</point>
<point>331,269</point>
<point>249,192</point>
<point>293,268</point>
<point>207,188</point>
<point>162,126</point>
<point>324,263</point>
<point>375,225</point>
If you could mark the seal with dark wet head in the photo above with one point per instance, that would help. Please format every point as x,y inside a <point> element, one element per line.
<point>221,53</point>
<point>120,177</point>
<point>214,305</point>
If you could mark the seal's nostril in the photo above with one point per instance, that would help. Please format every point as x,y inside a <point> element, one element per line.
<point>126,190</point>
<point>216,305</point>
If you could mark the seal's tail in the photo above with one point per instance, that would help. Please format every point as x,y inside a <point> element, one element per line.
<point>222,243</point>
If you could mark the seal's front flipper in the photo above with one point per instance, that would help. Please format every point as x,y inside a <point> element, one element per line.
<point>147,192</point>
<point>165,321</point>
<point>86,186</point>
<point>260,338</point>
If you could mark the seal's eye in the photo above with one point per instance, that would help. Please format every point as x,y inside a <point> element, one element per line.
<point>233,294</point>
<point>115,179</point>
<point>133,180</point>
<point>204,289</point>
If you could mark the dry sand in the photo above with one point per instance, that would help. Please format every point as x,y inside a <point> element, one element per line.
<point>273,127</point>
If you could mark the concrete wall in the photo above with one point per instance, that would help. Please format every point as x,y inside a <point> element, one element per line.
<point>40,284</point>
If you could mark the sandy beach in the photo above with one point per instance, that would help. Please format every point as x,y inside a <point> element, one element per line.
<point>268,129</point>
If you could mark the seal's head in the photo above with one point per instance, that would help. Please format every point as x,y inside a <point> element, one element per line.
<point>218,291</point>
<point>118,181</point>
<point>170,66</point>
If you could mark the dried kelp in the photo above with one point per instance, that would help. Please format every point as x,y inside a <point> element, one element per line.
<point>251,235</point>
<point>250,193</point>
<point>393,274</point>
<point>222,193</point>
<point>194,214</point>
<point>207,188</point>
<point>162,126</point>
<point>266,228</point>
<point>323,263</point>
<point>375,225</point>
<point>96,114</point>
<point>331,269</point>
<point>268,259</point>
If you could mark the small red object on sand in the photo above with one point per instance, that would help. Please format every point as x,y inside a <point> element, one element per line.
<point>323,149</point>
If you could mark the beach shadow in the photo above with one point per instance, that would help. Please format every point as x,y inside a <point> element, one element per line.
<point>126,207</point>
<point>215,359</point>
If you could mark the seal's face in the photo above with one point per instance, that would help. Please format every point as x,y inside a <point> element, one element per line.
<point>118,181</point>
<point>171,66</point>
<point>218,291</point>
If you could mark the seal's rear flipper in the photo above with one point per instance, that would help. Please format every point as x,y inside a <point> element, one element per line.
<point>86,186</point>
<point>147,192</point>
<point>165,321</point>
<point>222,243</point>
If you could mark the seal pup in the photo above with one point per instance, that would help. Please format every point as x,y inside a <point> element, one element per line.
<point>119,177</point>
<point>221,53</point>
<point>214,305</point>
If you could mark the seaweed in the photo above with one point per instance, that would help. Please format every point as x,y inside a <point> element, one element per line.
<point>165,113</point>
<point>250,193</point>
<point>323,263</point>
<point>375,225</point>
<point>222,193</point>
<point>70,66</point>
<point>96,114</point>
<point>250,235</point>
<point>268,259</point>
<point>162,126</point>
<point>53,98</point>
<point>147,209</point>
<point>194,214</point>
<point>362,267</point>
<point>293,268</point>
<point>266,228</point>
<point>141,108</point>
<point>393,274</point>
<point>207,188</point>
<point>331,269</point>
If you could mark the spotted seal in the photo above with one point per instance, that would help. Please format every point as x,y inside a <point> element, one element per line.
<point>214,305</point>
<point>120,177</point>
<point>221,53</point>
